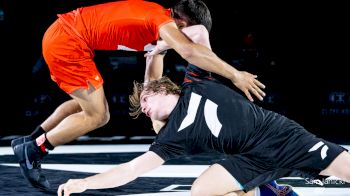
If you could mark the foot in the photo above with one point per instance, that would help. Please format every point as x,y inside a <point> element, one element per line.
<point>274,189</point>
<point>20,140</point>
<point>29,158</point>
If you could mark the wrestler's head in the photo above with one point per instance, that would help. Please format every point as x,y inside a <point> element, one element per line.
<point>191,12</point>
<point>156,99</point>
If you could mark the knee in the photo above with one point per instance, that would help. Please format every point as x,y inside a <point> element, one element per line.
<point>347,177</point>
<point>345,173</point>
<point>103,119</point>
<point>100,119</point>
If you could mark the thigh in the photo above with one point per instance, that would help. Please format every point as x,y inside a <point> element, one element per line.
<point>92,103</point>
<point>217,181</point>
<point>340,167</point>
<point>70,60</point>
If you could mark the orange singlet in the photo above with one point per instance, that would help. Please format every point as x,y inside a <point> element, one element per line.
<point>69,43</point>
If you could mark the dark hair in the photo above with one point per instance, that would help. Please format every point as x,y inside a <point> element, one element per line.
<point>163,84</point>
<point>195,11</point>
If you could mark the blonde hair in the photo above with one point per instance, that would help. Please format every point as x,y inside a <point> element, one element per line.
<point>162,85</point>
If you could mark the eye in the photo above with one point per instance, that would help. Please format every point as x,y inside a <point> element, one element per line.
<point>144,99</point>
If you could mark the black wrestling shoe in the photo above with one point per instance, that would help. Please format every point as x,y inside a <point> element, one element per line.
<point>29,158</point>
<point>20,140</point>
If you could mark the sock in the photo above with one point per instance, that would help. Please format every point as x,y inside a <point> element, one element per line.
<point>37,132</point>
<point>43,143</point>
<point>47,144</point>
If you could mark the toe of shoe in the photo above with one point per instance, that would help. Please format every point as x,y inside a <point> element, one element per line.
<point>42,184</point>
<point>13,144</point>
<point>36,178</point>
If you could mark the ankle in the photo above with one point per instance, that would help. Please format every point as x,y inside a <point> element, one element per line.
<point>37,132</point>
<point>43,144</point>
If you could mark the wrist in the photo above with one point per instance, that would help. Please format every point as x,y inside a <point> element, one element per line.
<point>235,75</point>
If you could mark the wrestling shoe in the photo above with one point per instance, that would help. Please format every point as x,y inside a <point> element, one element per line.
<point>20,140</point>
<point>274,189</point>
<point>29,158</point>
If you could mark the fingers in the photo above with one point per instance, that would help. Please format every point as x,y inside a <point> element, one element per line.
<point>151,53</point>
<point>147,54</point>
<point>257,94</point>
<point>259,84</point>
<point>255,89</point>
<point>60,190</point>
<point>249,84</point>
<point>63,190</point>
<point>248,96</point>
<point>261,92</point>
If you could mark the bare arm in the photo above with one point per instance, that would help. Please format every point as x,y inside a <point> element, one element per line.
<point>154,67</point>
<point>117,176</point>
<point>196,33</point>
<point>154,60</point>
<point>204,58</point>
<point>196,54</point>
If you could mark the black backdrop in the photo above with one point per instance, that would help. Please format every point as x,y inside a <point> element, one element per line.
<point>299,51</point>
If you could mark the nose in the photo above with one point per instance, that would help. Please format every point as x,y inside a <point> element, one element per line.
<point>143,109</point>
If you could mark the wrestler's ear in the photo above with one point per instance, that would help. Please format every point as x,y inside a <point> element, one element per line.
<point>182,24</point>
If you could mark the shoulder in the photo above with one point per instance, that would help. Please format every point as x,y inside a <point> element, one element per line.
<point>209,88</point>
<point>195,28</point>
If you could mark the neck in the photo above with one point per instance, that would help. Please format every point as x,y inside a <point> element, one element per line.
<point>173,99</point>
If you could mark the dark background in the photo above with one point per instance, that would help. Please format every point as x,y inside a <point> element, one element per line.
<point>300,52</point>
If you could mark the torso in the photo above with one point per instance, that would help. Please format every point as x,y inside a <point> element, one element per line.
<point>126,25</point>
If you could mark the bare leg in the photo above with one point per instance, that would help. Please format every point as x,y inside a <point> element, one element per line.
<point>93,115</point>
<point>340,167</point>
<point>206,185</point>
<point>62,111</point>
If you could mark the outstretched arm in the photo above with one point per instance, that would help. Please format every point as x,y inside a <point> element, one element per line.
<point>203,57</point>
<point>154,67</point>
<point>117,176</point>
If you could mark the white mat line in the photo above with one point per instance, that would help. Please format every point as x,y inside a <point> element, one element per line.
<point>181,171</point>
<point>103,148</point>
